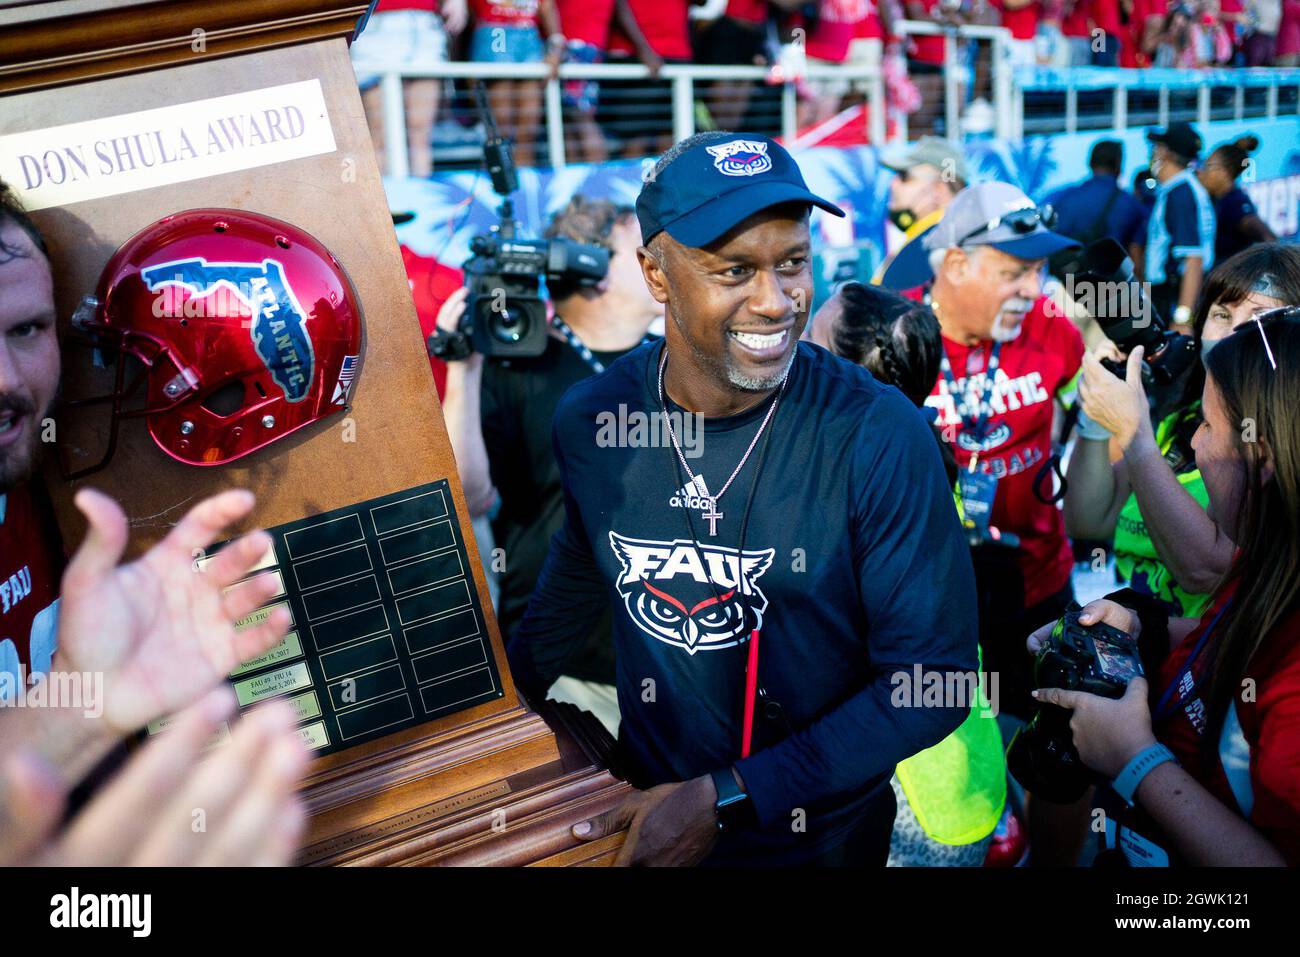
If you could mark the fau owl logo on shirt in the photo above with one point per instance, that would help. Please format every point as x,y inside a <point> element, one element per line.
<point>695,597</point>
<point>279,323</point>
<point>741,157</point>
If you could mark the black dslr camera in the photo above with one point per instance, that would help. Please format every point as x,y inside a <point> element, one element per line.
<point>1099,659</point>
<point>1104,284</point>
<point>505,314</point>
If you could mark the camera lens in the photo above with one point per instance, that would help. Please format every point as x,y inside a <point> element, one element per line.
<point>509,325</point>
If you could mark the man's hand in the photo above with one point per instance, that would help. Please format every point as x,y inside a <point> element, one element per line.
<point>455,15</point>
<point>653,61</point>
<point>554,57</point>
<point>1102,609</point>
<point>161,632</point>
<point>243,792</point>
<point>1107,731</point>
<point>672,825</point>
<point>1117,405</point>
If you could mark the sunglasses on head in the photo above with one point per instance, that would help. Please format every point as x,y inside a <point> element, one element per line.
<point>1022,221</point>
<point>1279,313</point>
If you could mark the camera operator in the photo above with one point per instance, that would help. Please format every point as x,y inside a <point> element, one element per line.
<point>1202,761</point>
<point>951,795</point>
<point>1139,481</point>
<point>499,420</point>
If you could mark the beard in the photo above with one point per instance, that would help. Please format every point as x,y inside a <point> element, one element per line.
<point>749,383</point>
<point>722,367</point>
<point>18,464</point>
<point>1004,333</point>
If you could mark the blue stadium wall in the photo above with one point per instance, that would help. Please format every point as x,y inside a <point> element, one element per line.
<point>452,207</point>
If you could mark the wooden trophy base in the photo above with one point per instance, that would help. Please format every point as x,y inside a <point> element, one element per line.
<point>449,802</point>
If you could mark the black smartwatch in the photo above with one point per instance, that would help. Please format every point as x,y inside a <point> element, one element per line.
<point>733,807</point>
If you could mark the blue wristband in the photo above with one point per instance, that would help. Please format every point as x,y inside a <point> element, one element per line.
<point>1127,781</point>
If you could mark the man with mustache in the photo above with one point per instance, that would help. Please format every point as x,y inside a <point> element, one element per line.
<point>1009,359</point>
<point>774,594</point>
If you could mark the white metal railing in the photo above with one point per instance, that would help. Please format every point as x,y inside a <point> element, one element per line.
<point>682,77</point>
<point>1119,84</point>
<point>1004,105</point>
<point>1009,85</point>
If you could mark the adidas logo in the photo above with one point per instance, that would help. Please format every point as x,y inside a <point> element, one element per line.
<point>692,495</point>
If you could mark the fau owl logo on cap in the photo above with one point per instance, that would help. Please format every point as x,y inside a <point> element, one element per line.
<point>741,157</point>
<point>699,598</point>
<point>279,323</point>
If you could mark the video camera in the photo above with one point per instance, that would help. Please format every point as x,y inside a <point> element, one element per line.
<point>505,314</point>
<point>1104,284</point>
<point>1099,659</point>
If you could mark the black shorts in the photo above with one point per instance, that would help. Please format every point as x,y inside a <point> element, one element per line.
<point>628,109</point>
<point>730,42</point>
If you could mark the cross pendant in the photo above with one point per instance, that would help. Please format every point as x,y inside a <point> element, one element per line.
<point>713,516</point>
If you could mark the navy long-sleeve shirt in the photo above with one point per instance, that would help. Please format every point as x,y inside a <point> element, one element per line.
<point>854,569</point>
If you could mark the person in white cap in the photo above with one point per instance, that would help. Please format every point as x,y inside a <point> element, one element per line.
<point>1006,359</point>
<point>1009,358</point>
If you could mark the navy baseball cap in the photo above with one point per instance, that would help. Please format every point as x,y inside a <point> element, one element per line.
<point>715,184</point>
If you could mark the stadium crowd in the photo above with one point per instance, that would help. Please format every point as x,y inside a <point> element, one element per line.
<point>633,118</point>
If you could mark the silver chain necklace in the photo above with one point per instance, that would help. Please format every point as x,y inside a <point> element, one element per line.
<point>712,516</point>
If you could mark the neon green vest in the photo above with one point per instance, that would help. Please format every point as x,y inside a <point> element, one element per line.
<point>957,788</point>
<point>1136,560</point>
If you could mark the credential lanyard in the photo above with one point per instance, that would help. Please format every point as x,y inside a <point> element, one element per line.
<point>564,329</point>
<point>975,424</point>
<point>1164,708</point>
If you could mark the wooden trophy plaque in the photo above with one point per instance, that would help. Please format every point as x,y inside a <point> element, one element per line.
<point>116,113</point>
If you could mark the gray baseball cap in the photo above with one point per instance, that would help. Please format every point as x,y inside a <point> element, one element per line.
<point>1001,216</point>
<point>928,151</point>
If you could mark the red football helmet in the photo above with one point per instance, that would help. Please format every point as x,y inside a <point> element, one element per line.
<point>246,327</point>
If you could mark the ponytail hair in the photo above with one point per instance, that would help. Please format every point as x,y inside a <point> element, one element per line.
<point>895,339</point>
<point>1235,156</point>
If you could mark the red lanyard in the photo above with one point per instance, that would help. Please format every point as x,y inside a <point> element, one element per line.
<point>751,692</point>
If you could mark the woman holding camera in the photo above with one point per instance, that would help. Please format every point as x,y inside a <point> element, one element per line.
<point>1202,762</point>
<point>1140,482</point>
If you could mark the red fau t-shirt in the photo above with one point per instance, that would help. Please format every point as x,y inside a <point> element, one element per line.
<point>516,13</point>
<point>1105,16</point>
<point>1034,369</point>
<point>431,283</point>
<point>587,20</point>
<point>1270,724</point>
<point>928,49</point>
<point>1075,23</point>
<point>751,11</point>
<point>388,6</point>
<point>31,564</point>
<point>1022,22</point>
<point>664,23</point>
<point>838,23</point>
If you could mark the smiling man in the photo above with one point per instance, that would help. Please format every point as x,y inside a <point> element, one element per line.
<point>812,545</point>
<point>1009,359</point>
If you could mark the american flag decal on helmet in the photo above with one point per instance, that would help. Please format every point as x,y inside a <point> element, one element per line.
<point>346,374</point>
